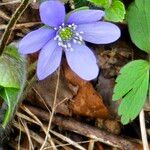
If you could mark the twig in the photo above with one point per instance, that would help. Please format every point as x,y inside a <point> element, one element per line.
<point>64,138</point>
<point>87,130</point>
<point>4,16</point>
<point>4,40</point>
<point>31,147</point>
<point>143,130</point>
<point>53,108</point>
<point>91,145</point>
<point>20,25</point>
<point>11,2</point>
<point>40,124</point>
<point>34,135</point>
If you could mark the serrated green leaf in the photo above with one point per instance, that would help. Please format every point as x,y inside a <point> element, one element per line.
<point>12,80</point>
<point>101,3</point>
<point>116,12</point>
<point>80,3</point>
<point>132,87</point>
<point>138,17</point>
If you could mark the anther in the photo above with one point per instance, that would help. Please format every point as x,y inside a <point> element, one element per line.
<point>69,45</point>
<point>75,41</point>
<point>81,32</point>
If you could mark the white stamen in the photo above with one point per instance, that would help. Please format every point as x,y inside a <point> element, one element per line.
<point>74,41</point>
<point>74,28</point>
<point>59,44</point>
<point>59,39</point>
<point>76,37</point>
<point>56,37</point>
<point>65,46</point>
<point>80,38</point>
<point>69,45</point>
<point>77,34</point>
<point>79,42</point>
<point>81,32</point>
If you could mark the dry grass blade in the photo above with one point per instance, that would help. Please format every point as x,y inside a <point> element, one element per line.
<point>60,144</point>
<point>6,35</point>
<point>20,115</point>
<point>41,125</point>
<point>4,16</point>
<point>91,145</point>
<point>53,108</point>
<point>34,136</point>
<point>10,2</point>
<point>19,137</point>
<point>31,147</point>
<point>21,25</point>
<point>64,138</point>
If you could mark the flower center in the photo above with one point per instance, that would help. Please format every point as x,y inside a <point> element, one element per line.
<point>65,34</point>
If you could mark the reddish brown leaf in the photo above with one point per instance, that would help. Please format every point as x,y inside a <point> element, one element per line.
<point>87,102</point>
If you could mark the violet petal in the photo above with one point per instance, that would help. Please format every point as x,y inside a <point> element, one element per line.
<point>99,32</point>
<point>82,61</point>
<point>35,40</point>
<point>85,16</point>
<point>52,13</point>
<point>49,59</point>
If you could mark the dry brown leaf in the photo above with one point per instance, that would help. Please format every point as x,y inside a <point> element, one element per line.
<point>87,102</point>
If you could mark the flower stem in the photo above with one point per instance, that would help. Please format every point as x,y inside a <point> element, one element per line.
<point>4,40</point>
<point>143,130</point>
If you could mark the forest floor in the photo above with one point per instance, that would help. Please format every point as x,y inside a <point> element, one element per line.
<point>65,112</point>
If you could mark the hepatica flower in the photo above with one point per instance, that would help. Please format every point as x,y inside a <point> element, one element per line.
<point>67,33</point>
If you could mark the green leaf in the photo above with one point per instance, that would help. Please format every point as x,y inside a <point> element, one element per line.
<point>138,17</point>
<point>101,3</point>
<point>132,88</point>
<point>116,12</point>
<point>12,80</point>
<point>80,3</point>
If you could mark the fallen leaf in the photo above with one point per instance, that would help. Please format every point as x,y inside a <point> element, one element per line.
<point>87,102</point>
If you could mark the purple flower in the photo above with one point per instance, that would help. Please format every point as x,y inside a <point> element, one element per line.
<point>68,33</point>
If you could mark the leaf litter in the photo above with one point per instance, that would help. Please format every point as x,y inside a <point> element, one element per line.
<point>83,114</point>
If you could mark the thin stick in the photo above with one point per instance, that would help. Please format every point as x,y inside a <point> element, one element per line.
<point>143,130</point>
<point>21,25</point>
<point>64,138</point>
<point>53,108</point>
<point>31,147</point>
<point>4,16</point>
<point>11,24</point>
<point>11,2</point>
<point>86,130</point>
